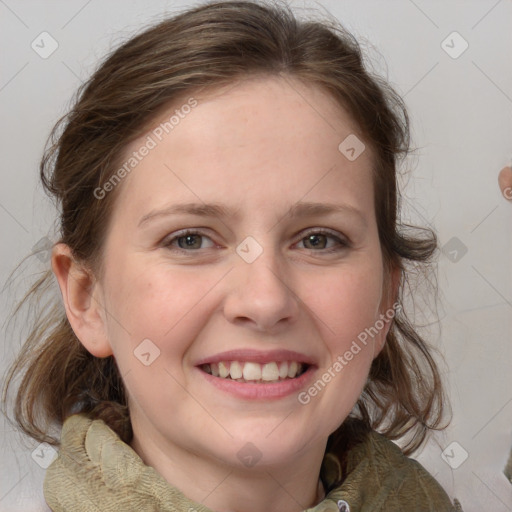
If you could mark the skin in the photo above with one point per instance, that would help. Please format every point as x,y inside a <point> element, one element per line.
<point>259,146</point>
<point>505,182</point>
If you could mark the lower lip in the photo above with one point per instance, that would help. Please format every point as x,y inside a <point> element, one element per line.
<point>270,391</point>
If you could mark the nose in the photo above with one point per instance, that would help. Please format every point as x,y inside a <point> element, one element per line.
<point>261,295</point>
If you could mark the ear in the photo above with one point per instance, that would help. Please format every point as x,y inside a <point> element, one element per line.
<point>388,306</point>
<point>81,296</point>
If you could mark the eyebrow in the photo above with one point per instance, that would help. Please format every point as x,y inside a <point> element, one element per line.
<point>300,209</point>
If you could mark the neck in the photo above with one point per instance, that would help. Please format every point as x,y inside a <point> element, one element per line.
<point>292,486</point>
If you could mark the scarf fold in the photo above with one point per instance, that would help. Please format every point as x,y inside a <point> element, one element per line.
<point>95,471</point>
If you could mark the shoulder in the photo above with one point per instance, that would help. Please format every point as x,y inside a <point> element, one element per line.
<point>378,477</point>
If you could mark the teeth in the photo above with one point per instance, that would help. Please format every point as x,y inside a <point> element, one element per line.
<point>223,369</point>
<point>255,372</point>
<point>270,371</point>
<point>292,369</point>
<point>252,371</point>
<point>235,370</point>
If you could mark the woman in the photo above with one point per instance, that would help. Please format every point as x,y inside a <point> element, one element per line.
<point>231,265</point>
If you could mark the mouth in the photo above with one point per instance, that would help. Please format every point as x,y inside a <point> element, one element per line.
<point>254,372</point>
<point>259,375</point>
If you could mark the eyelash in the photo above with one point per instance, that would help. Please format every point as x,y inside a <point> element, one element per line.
<point>342,243</point>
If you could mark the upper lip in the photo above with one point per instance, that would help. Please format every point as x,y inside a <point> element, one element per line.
<point>257,356</point>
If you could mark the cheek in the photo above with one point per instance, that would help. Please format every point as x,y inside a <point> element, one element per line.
<point>346,301</point>
<point>158,304</point>
<point>346,311</point>
<point>343,374</point>
<point>155,316</point>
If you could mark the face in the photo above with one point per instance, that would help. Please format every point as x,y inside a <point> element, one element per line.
<point>276,282</point>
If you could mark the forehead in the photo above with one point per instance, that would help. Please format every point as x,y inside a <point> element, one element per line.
<point>254,110</point>
<point>261,141</point>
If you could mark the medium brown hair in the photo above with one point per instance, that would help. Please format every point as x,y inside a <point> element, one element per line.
<point>205,47</point>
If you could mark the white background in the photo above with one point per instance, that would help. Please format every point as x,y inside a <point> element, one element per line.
<point>461,111</point>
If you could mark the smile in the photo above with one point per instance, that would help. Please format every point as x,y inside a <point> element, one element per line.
<point>253,372</point>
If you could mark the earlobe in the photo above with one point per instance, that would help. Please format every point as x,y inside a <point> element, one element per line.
<point>80,295</point>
